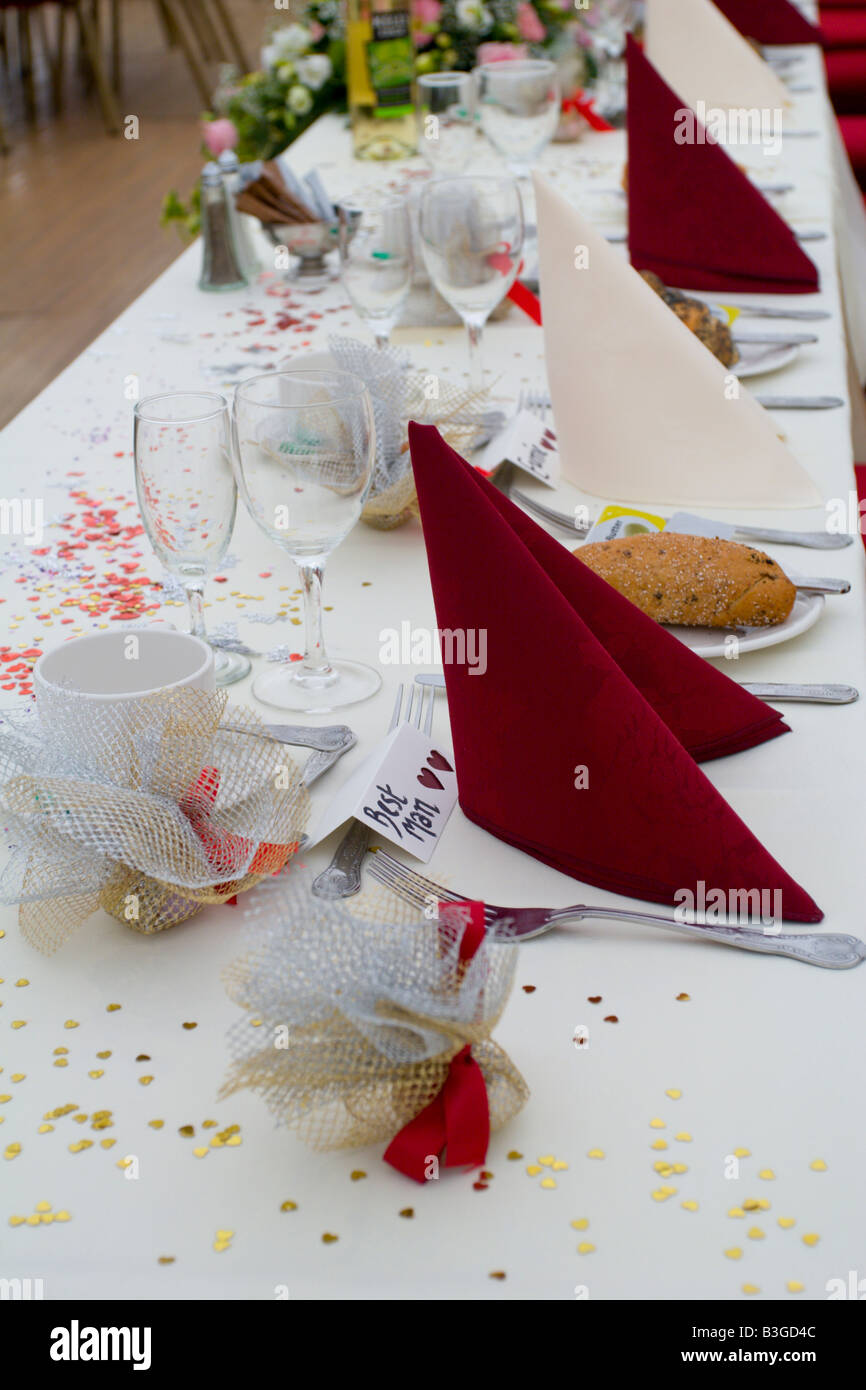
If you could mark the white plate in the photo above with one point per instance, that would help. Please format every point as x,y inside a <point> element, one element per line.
<point>711,641</point>
<point>755,360</point>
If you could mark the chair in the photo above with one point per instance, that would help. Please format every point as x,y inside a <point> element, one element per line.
<point>32,25</point>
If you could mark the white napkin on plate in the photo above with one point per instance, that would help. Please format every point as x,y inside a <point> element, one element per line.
<point>704,58</point>
<point>643,411</point>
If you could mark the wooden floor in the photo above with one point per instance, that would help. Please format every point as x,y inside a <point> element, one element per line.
<point>79,210</point>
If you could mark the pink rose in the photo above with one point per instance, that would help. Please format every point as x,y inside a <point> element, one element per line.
<point>501,52</point>
<point>427,11</point>
<point>317,31</point>
<point>219,135</point>
<point>530,26</point>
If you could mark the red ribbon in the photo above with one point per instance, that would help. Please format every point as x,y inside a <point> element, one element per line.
<point>585,106</point>
<point>223,850</point>
<point>518,294</point>
<point>457,1119</point>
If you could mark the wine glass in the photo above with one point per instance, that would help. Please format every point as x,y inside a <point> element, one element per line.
<point>520,105</point>
<point>376,261</point>
<point>187,496</point>
<point>305,445</point>
<point>471,231</point>
<point>446,120</point>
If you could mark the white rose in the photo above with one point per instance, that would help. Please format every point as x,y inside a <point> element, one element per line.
<point>270,57</point>
<point>294,39</point>
<point>471,14</point>
<point>299,100</point>
<point>314,70</point>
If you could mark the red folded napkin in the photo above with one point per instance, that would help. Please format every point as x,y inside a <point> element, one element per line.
<point>578,678</point>
<point>769,21</point>
<point>693,216</point>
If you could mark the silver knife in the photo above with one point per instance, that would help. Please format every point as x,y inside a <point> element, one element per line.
<point>803,694</point>
<point>776,339</point>
<point>821,586</point>
<point>800,402</point>
<point>813,540</point>
<point>767,690</point>
<point>765,312</point>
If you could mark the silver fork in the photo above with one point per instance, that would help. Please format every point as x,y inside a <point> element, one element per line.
<point>342,877</point>
<point>832,952</point>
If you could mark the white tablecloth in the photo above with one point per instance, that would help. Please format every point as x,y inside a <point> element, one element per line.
<point>765,1055</point>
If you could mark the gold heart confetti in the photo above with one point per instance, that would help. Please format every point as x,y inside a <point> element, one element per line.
<point>548,1182</point>
<point>513,1155</point>
<point>357,1174</point>
<point>533,1170</point>
<point>674,1095</point>
<point>595,1153</point>
<point>794,1286</point>
<point>786,1222</point>
<point>288,1206</point>
<point>736,1212</point>
<point>767,1174</point>
<point>328,1238</point>
<point>546,1161</point>
<point>689,1206</point>
<point>735,1253</point>
<point>659,1144</point>
<point>811,1239</point>
<point>657,1124</point>
<point>586,1247</point>
<point>751,1288</point>
<point>559,1165</point>
<point>684,1137</point>
<point>755,1233</point>
<point>742,1153</point>
<point>201,1152</point>
<point>580,1224</point>
<point>818,1165</point>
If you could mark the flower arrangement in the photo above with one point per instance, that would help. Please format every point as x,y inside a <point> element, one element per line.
<point>459,33</point>
<point>260,113</point>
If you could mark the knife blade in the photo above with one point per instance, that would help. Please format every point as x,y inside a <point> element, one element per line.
<point>776,339</point>
<point>799,402</point>
<point>803,694</point>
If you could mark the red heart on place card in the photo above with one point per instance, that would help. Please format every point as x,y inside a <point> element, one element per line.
<point>429,779</point>
<point>436,760</point>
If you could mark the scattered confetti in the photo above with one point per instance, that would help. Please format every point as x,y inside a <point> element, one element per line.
<point>742,1153</point>
<point>595,1153</point>
<point>767,1174</point>
<point>408,1212</point>
<point>689,1205</point>
<point>548,1182</point>
<point>166,1260</point>
<point>611,1018</point>
<point>288,1206</point>
<point>657,1124</point>
<point>581,1224</point>
<point>751,1288</point>
<point>794,1286</point>
<point>818,1165</point>
<point>674,1095</point>
<point>586,1247</point>
<point>496,1274</point>
<point>811,1239</point>
<point>684,1137</point>
<point>513,1155</point>
<point>328,1238</point>
<point>735,1253</point>
<point>755,1233</point>
<point>786,1222</point>
<point>683,997</point>
<point>357,1174</point>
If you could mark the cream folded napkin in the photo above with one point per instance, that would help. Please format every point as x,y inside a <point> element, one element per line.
<point>643,411</point>
<point>705,59</point>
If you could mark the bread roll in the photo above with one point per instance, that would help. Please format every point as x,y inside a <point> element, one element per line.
<point>691,581</point>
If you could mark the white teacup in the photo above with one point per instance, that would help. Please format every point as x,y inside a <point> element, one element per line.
<point>111,668</point>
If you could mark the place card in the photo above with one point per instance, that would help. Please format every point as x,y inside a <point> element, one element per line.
<point>404,791</point>
<point>528,443</point>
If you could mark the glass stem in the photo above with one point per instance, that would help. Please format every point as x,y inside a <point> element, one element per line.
<point>382,339</point>
<point>315,663</point>
<point>195,598</point>
<point>476,371</point>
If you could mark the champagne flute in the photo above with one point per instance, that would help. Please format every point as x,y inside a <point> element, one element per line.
<point>471,231</point>
<point>187,496</point>
<point>520,105</point>
<point>376,261</point>
<point>446,120</point>
<point>305,445</point>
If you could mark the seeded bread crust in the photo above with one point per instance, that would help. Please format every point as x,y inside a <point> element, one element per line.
<point>690,581</point>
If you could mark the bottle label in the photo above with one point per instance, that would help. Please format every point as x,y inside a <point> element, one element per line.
<point>390,59</point>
